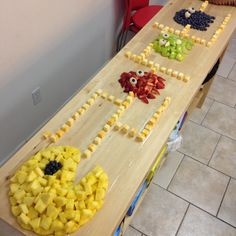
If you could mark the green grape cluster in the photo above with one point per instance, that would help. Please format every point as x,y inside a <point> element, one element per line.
<point>172,46</point>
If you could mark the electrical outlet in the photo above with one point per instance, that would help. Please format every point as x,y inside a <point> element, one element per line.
<point>36,96</point>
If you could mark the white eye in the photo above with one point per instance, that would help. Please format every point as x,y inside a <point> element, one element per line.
<point>167,44</point>
<point>162,42</point>
<point>191,9</point>
<point>187,14</point>
<point>165,35</point>
<point>133,81</point>
<point>140,73</point>
<point>178,41</point>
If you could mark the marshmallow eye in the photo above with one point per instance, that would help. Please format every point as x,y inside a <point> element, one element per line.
<point>165,35</point>
<point>162,42</point>
<point>187,14</point>
<point>191,9</point>
<point>178,41</point>
<point>133,81</point>
<point>140,72</point>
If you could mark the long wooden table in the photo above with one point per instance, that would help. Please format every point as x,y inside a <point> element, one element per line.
<point>125,160</point>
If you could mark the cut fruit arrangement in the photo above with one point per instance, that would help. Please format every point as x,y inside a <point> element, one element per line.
<point>45,199</point>
<point>172,46</point>
<point>144,85</point>
<point>197,19</point>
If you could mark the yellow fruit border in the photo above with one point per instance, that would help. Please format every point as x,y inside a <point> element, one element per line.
<point>198,40</point>
<point>112,121</point>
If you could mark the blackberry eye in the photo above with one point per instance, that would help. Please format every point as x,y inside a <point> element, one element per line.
<point>133,81</point>
<point>162,42</point>
<point>191,9</point>
<point>140,73</point>
<point>165,35</point>
<point>187,14</point>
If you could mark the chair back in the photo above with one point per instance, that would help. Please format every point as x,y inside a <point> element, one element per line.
<point>137,4</point>
<point>132,5</point>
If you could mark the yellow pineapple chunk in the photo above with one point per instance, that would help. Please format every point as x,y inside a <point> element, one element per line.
<point>67,176</point>
<point>32,176</point>
<point>46,198</point>
<point>45,222</point>
<point>57,225</point>
<point>19,195</point>
<point>70,204</point>
<point>35,185</point>
<point>52,211</point>
<point>61,191</point>
<point>97,171</point>
<point>87,188</point>
<point>76,158</point>
<point>35,223</point>
<point>69,226</point>
<point>21,176</point>
<point>77,216</point>
<point>13,201</point>
<point>16,210</point>
<point>93,205</point>
<point>69,214</point>
<point>40,206</point>
<point>42,181</point>
<point>32,213</point>
<point>71,194</point>
<point>100,194</point>
<point>28,201</point>
<point>69,164</point>
<point>14,188</point>
<point>81,204</point>
<point>39,172</point>
<point>62,217</point>
<point>81,195</point>
<point>24,219</point>
<point>24,209</point>
<point>60,201</point>
<point>91,179</point>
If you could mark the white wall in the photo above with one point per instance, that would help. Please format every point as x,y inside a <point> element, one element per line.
<point>57,45</point>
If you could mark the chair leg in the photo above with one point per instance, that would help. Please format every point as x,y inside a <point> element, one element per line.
<point>120,41</point>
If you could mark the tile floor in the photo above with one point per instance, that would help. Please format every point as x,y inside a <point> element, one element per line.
<point>194,193</point>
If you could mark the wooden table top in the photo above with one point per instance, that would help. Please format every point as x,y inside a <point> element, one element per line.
<point>125,160</point>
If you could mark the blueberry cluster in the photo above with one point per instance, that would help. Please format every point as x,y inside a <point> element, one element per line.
<point>198,19</point>
<point>52,167</point>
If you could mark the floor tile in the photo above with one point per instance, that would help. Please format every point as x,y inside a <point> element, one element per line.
<point>198,142</point>
<point>7,230</point>
<point>200,223</point>
<point>228,208</point>
<point>160,213</point>
<point>221,118</point>
<point>231,49</point>
<point>224,158</point>
<point>198,114</point>
<point>199,184</point>
<point>226,66</point>
<point>132,232</point>
<point>168,169</point>
<point>223,90</point>
<point>232,74</point>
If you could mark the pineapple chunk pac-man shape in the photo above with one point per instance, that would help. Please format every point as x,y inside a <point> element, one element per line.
<point>45,199</point>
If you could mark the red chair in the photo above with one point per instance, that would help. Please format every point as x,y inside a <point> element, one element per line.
<point>137,14</point>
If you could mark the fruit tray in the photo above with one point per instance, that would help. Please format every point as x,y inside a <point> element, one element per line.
<point>200,18</point>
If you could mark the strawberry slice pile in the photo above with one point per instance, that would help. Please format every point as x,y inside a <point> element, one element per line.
<point>144,85</point>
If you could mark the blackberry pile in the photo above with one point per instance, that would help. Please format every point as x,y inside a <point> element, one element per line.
<point>52,167</point>
<point>197,19</point>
